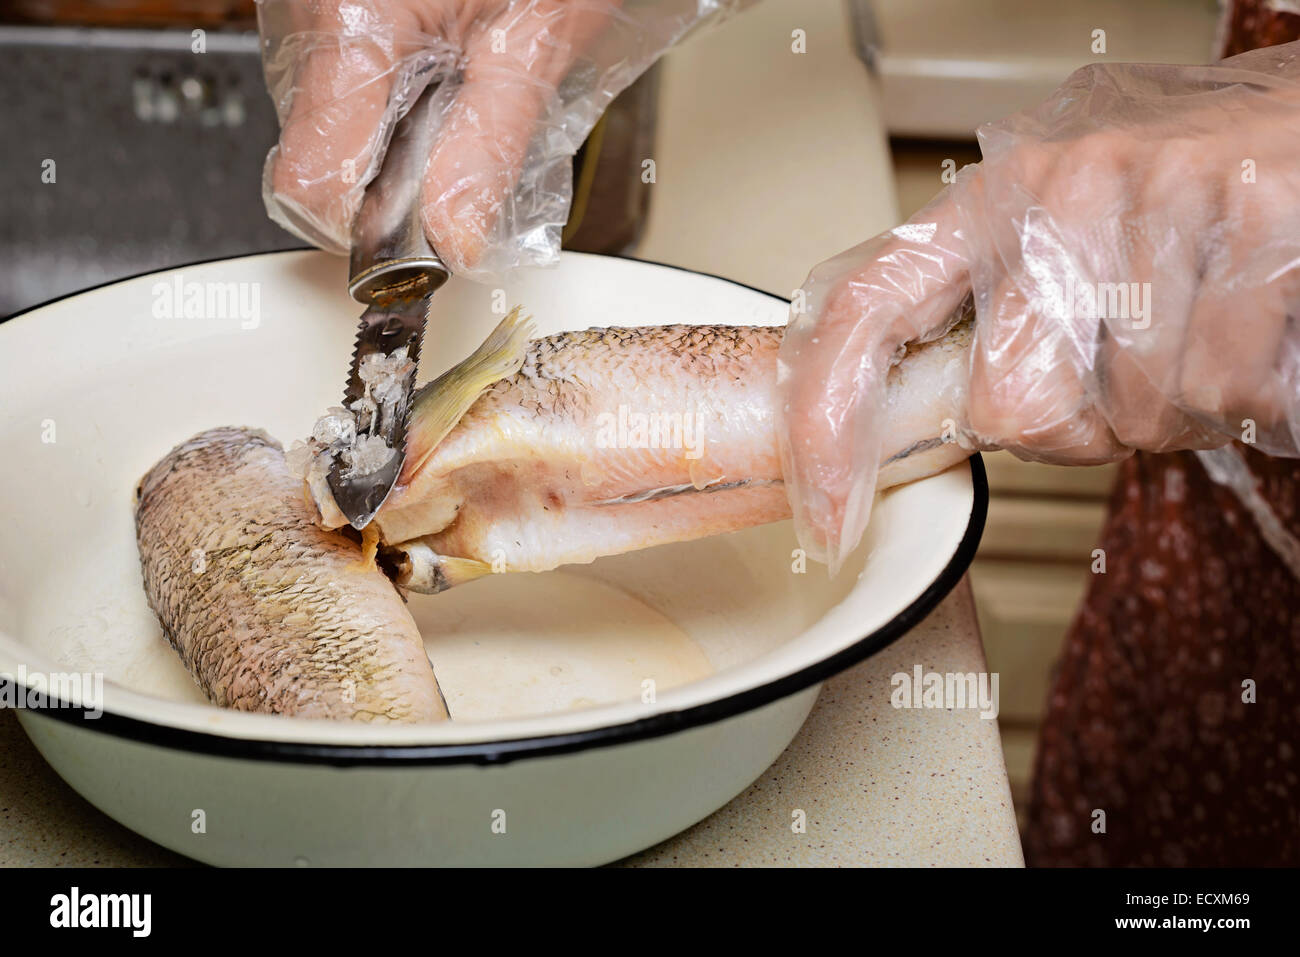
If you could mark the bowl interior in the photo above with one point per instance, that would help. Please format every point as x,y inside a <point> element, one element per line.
<point>100,385</point>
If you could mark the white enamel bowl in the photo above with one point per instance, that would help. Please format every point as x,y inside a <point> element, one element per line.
<point>599,709</point>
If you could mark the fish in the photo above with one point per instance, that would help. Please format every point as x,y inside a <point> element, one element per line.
<point>536,453</point>
<point>530,454</point>
<point>269,611</point>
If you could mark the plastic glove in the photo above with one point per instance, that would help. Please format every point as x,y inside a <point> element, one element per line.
<point>1180,183</point>
<point>524,81</point>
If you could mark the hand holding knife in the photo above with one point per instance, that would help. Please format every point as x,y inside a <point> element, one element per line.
<point>395,272</point>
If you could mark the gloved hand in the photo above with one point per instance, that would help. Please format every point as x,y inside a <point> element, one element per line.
<point>525,81</point>
<point>1134,253</point>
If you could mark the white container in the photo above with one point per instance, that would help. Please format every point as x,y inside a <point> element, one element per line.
<point>561,753</point>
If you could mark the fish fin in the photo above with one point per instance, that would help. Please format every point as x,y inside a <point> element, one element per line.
<point>702,473</point>
<point>366,561</point>
<point>458,571</point>
<point>441,404</point>
<point>420,569</point>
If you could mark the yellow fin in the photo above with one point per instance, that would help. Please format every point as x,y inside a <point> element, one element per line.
<point>369,549</point>
<point>369,544</point>
<point>457,571</point>
<point>440,404</point>
<point>421,569</point>
<point>701,477</point>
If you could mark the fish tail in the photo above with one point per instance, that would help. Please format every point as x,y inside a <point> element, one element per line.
<point>420,569</point>
<point>440,404</point>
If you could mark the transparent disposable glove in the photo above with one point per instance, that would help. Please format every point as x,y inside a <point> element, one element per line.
<point>1182,180</point>
<point>524,81</point>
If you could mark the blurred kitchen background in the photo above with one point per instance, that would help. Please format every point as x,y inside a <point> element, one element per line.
<point>768,160</point>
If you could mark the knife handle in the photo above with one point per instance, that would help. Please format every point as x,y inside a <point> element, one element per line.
<point>390,254</point>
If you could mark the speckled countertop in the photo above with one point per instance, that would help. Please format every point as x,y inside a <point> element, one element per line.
<point>878,785</point>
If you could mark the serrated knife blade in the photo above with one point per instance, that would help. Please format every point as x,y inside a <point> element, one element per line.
<point>395,272</point>
<point>384,331</point>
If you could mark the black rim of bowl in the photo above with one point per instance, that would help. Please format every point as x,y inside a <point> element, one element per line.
<point>504,751</point>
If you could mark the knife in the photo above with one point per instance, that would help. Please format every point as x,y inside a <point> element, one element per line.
<point>394,272</point>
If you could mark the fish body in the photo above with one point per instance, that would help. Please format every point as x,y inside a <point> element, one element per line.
<point>602,442</point>
<point>268,611</point>
<point>608,440</point>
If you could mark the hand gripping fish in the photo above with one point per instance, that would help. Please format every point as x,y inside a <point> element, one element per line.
<point>526,456</point>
